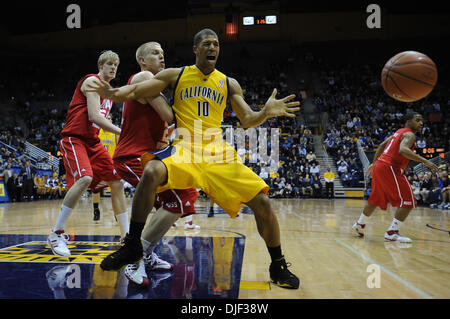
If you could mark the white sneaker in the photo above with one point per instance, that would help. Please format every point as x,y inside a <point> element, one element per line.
<point>57,243</point>
<point>136,274</point>
<point>393,235</point>
<point>153,262</point>
<point>359,229</point>
<point>192,226</point>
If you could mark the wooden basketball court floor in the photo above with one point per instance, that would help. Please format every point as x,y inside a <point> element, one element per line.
<point>227,259</point>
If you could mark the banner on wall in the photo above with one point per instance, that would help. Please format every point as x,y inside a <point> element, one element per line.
<point>3,193</point>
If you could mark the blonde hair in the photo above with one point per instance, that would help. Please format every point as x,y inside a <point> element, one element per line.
<point>105,56</point>
<point>144,49</point>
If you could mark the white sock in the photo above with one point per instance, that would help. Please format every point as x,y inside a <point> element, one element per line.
<point>123,223</point>
<point>147,246</point>
<point>362,219</point>
<point>188,243</point>
<point>64,214</point>
<point>395,225</point>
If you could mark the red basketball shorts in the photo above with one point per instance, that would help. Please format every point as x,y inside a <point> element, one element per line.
<point>81,160</point>
<point>129,169</point>
<point>178,201</point>
<point>390,185</point>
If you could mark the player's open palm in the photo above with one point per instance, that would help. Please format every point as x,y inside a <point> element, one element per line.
<point>102,88</point>
<point>281,107</point>
<point>432,166</point>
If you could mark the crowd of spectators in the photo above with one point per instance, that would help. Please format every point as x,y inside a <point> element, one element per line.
<point>297,173</point>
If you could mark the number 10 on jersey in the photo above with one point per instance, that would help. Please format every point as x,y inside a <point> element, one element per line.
<point>203,108</point>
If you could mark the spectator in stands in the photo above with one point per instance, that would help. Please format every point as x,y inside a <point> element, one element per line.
<point>306,186</point>
<point>7,173</point>
<point>14,188</point>
<point>288,190</point>
<point>342,168</point>
<point>434,195</point>
<point>264,175</point>
<point>316,187</point>
<point>425,185</point>
<point>329,183</point>
<point>311,157</point>
<point>27,173</point>
<point>346,178</point>
<point>314,170</point>
<point>421,143</point>
<point>445,191</point>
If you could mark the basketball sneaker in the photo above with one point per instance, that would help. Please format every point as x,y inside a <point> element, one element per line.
<point>359,229</point>
<point>57,241</point>
<point>154,263</point>
<point>136,274</point>
<point>393,235</point>
<point>191,226</point>
<point>96,214</point>
<point>129,253</point>
<point>281,276</point>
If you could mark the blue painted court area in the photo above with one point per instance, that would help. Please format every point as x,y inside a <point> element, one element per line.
<point>205,268</point>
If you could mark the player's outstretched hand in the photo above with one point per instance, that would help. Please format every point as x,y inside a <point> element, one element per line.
<point>102,88</point>
<point>432,166</point>
<point>281,107</point>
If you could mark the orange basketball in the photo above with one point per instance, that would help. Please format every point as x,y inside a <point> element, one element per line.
<point>409,76</point>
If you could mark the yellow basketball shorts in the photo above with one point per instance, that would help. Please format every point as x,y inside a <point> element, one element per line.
<point>229,184</point>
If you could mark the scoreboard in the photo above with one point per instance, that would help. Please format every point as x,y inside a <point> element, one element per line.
<point>259,20</point>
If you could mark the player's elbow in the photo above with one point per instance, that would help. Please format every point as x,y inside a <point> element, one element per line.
<point>403,150</point>
<point>167,117</point>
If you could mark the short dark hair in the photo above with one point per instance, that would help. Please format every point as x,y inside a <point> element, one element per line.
<point>201,34</point>
<point>409,116</point>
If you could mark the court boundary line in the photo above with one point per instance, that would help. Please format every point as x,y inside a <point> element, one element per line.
<point>386,270</point>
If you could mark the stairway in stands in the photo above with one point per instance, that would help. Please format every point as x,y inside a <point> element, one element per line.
<point>326,161</point>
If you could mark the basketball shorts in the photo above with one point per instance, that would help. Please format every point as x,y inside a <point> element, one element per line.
<point>178,201</point>
<point>390,185</point>
<point>229,183</point>
<point>81,160</point>
<point>129,169</point>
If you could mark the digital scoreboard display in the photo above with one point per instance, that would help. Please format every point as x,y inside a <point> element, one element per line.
<point>259,20</point>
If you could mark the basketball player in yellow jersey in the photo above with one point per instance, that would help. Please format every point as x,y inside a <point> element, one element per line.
<point>200,94</point>
<point>109,141</point>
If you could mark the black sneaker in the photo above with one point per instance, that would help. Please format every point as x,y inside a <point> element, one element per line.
<point>130,253</point>
<point>96,214</point>
<point>211,213</point>
<point>281,276</point>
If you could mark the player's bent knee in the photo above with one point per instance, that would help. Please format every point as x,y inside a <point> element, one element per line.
<point>155,172</point>
<point>85,181</point>
<point>116,185</point>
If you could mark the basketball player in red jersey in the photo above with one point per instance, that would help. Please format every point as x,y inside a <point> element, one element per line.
<point>389,184</point>
<point>87,162</point>
<point>144,129</point>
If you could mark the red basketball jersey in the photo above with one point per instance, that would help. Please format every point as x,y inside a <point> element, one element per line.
<point>77,119</point>
<point>391,153</point>
<point>141,127</point>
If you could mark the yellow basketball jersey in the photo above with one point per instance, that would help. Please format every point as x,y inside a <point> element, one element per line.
<point>200,100</point>
<point>108,140</point>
